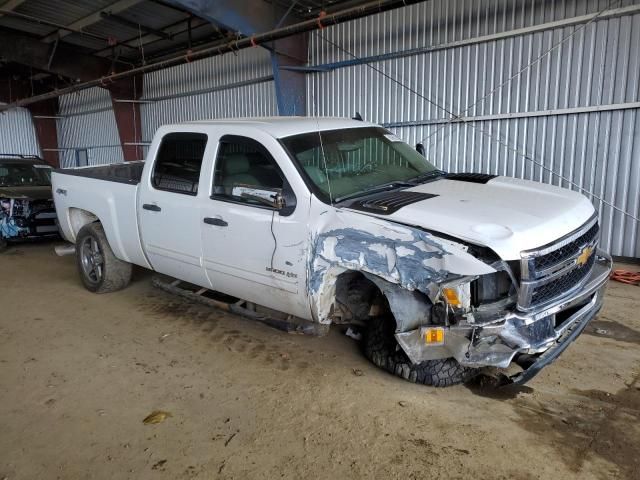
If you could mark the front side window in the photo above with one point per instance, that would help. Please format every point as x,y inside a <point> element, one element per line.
<point>246,172</point>
<point>347,162</point>
<point>178,162</point>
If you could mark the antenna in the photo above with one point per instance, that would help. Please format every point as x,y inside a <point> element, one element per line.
<point>324,160</point>
<point>357,116</point>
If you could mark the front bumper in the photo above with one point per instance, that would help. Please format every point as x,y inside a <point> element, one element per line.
<point>42,224</point>
<point>533,339</point>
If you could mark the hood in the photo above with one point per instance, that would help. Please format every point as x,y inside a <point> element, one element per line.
<point>30,193</point>
<point>505,214</point>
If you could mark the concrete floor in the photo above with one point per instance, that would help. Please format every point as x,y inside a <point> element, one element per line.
<point>79,372</point>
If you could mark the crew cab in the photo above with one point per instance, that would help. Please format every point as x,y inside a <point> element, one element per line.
<point>27,211</point>
<point>331,220</point>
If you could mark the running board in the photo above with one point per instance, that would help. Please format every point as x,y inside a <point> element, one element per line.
<point>240,307</point>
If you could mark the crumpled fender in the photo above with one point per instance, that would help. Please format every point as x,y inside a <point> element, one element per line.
<point>405,256</point>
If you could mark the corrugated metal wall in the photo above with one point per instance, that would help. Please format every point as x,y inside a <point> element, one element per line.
<point>88,123</point>
<point>231,85</point>
<point>17,133</point>
<point>575,112</point>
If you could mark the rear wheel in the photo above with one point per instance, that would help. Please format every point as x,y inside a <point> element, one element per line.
<point>381,347</point>
<point>100,270</point>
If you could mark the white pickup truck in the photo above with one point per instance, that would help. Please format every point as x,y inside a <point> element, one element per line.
<point>338,221</point>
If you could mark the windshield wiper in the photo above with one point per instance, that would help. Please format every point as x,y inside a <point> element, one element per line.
<point>377,188</point>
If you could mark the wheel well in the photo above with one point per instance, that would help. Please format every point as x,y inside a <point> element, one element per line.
<point>357,298</point>
<point>78,218</point>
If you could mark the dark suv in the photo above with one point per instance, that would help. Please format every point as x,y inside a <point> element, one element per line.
<point>26,200</point>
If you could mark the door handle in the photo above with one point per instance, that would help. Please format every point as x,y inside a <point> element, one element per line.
<point>215,221</point>
<point>152,207</point>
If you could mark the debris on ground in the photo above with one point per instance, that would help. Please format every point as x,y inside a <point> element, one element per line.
<point>226,442</point>
<point>357,336</point>
<point>601,331</point>
<point>157,416</point>
<point>402,403</point>
<point>163,336</point>
<point>158,464</point>
<point>626,276</point>
<point>357,372</point>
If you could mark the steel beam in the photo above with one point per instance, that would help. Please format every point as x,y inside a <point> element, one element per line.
<point>11,5</point>
<point>613,107</point>
<point>251,17</point>
<point>44,115</point>
<point>67,61</point>
<point>542,27</point>
<point>94,17</point>
<point>376,6</point>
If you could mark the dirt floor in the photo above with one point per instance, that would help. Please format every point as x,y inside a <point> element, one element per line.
<point>79,372</point>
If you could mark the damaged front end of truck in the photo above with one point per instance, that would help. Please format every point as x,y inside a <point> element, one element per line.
<point>27,211</point>
<point>454,300</point>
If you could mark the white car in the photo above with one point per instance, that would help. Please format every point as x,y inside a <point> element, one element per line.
<point>332,220</point>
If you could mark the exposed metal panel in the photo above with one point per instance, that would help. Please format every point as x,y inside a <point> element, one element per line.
<point>95,132</point>
<point>254,100</point>
<point>17,133</point>
<point>593,151</point>
<point>249,99</point>
<point>85,101</point>
<point>216,71</point>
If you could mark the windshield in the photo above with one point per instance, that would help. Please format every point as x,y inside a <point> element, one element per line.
<point>24,175</point>
<point>356,161</point>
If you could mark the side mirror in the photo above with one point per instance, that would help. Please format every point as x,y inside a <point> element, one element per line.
<point>420,149</point>
<point>285,201</point>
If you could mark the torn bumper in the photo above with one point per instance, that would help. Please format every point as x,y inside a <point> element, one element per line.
<point>532,339</point>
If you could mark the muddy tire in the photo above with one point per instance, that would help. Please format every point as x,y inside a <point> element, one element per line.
<point>381,347</point>
<point>100,270</point>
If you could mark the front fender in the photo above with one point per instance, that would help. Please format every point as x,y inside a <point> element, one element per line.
<point>405,256</point>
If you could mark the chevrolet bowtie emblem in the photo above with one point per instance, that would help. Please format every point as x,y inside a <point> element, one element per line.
<point>584,255</point>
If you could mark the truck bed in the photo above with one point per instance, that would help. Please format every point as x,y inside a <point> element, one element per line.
<point>130,172</point>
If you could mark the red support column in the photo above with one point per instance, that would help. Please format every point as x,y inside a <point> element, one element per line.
<point>43,116</point>
<point>12,89</point>
<point>124,96</point>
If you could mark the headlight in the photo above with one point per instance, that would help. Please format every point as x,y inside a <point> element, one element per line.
<point>474,297</point>
<point>491,288</point>
<point>20,222</point>
<point>18,207</point>
<point>457,293</point>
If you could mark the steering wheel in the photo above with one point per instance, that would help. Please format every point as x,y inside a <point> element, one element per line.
<point>361,169</point>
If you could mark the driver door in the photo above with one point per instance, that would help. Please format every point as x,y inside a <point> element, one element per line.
<point>247,239</point>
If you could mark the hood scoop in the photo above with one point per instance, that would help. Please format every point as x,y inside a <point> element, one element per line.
<point>470,177</point>
<point>389,202</point>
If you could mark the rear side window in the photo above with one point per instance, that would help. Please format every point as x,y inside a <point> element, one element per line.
<point>179,162</point>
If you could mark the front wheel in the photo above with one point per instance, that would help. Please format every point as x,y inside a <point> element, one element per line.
<point>100,270</point>
<point>381,347</point>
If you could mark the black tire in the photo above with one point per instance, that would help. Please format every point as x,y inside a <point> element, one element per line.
<point>109,273</point>
<point>381,347</point>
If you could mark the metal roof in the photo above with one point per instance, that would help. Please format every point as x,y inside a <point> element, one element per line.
<point>124,29</point>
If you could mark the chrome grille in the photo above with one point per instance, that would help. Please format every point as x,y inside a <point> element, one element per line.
<point>551,272</point>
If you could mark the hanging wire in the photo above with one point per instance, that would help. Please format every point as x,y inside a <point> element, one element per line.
<point>324,158</point>
<point>489,134</point>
